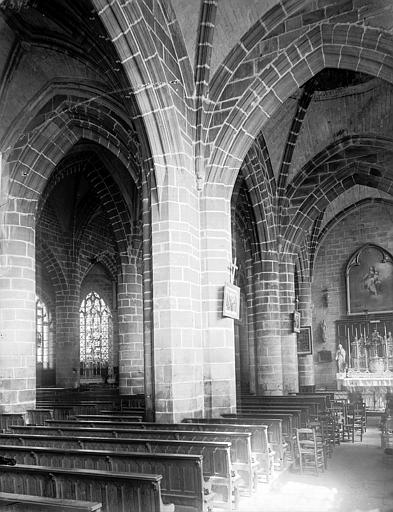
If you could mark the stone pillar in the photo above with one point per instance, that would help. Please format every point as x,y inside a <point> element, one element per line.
<point>68,336</point>
<point>178,353</point>
<point>269,369</point>
<point>306,362</point>
<point>219,344</point>
<point>288,337</point>
<point>17,307</point>
<point>130,315</point>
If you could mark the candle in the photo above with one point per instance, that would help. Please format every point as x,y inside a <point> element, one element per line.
<point>385,330</point>
<point>356,332</point>
<point>365,350</point>
<point>349,350</point>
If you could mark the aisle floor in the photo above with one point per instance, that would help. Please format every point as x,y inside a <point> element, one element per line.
<point>357,480</point>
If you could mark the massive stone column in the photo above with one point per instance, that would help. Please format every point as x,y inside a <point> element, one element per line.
<point>306,362</point>
<point>68,336</point>
<point>17,305</point>
<point>178,353</point>
<point>130,317</point>
<point>269,368</point>
<point>288,337</point>
<point>219,346</point>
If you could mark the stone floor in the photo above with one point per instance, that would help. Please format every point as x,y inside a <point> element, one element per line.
<point>357,480</point>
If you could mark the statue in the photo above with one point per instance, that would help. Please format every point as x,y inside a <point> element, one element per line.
<point>323,331</point>
<point>340,358</point>
<point>375,345</point>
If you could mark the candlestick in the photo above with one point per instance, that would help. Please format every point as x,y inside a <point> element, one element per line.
<point>365,351</point>
<point>386,353</point>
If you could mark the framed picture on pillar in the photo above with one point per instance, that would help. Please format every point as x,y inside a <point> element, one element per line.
<point>296,321</point>
<point>231,303</point>
<point>304,341</point>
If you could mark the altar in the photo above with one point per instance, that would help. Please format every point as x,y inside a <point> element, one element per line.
<point>373,387</point>
<point>364,337</point>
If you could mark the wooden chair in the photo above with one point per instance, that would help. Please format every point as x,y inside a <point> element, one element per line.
<point>355,421</point>
<point>310,450</point>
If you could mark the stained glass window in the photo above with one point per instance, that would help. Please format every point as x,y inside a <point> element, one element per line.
<point>95,336</point>
<point>44,335</point>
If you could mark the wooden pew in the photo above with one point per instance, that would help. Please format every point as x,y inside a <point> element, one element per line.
<point>217,470</point>
<point>117,491</point>
<point>313,408</point>
<point>117,401</point>
<point>241,455</point>
<point>39,416</point>
<point>13,502</point>
<point>288,430</point>
<point>274,431</point>
<point>259,432</point>
<point>288,425</point>
<point>299,417</point>
<point>7,419</point>
<point>66,411</point>
<point>319,402</point>
<point>182,475</point>
<point>259,435</point>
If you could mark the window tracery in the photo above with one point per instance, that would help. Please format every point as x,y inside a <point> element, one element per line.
<point>95,336</point>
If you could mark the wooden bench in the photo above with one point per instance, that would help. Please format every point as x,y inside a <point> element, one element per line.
<point>7,419</point>
<point>258,447</point>
<point>182,475</point>
<point>259,433</point>
<point>301,415</point>
<point>271,434</point>
<point>295,413</point>
<point>66,411</point>
<point>39,416</point>
<point>313,408</point>
<point>117,491</point>
<point>283,443</point>
<point>319,403</point>
<point>13,502</point>
<point>241,455</point>
<point>216,456</point>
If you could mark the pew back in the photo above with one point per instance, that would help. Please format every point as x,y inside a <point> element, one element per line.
<point>131,492</point>
<point>12,502</point>
<point>182,475</point>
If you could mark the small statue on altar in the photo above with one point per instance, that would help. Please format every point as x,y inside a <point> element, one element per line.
<point>340,358</point>
<point>376,345</point>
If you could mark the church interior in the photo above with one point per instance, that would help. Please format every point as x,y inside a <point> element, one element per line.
<point>195,221</point>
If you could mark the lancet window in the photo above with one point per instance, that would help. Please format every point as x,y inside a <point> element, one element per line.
<point>95,336</point>
<point>44,335</point>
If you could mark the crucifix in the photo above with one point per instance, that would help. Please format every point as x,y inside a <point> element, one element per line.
<point>232,268</point>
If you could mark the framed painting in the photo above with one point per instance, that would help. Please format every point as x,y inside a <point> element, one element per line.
<point>231,303</point>
<point>369,281</point>
<point>304,341</point>
<point>325,356</point>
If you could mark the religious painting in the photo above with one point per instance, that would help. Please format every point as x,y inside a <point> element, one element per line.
<point>296,322</point>
<point>369,279</point>
<point>304,341</point>
<point>324,356</point>
<point>231,304</point>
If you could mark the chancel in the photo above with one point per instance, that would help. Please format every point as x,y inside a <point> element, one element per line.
<point>196,260</point>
